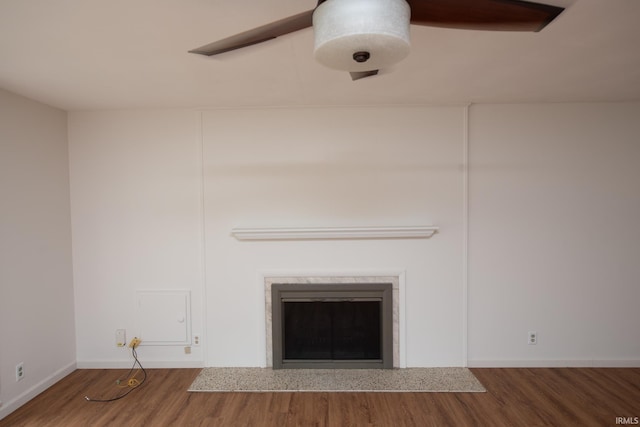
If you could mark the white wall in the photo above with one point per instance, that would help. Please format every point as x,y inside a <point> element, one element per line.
<point>554,236</point>
<point>136,214</point>
<point>36,288</point>
<point>334,167</point>
<point>136,182</point>
<point>553,239</point>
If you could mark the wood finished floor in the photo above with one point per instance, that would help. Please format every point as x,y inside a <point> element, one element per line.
<point>514,397</point>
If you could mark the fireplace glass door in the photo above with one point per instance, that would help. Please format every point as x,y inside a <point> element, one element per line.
<point>329,326</point>
<point>332,330</point>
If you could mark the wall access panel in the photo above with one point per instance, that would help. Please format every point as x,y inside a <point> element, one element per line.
<point>164,317</point>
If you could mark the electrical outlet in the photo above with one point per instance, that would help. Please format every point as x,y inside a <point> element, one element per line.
<point>195,340</point>
<point>19,371</point>
<point>135,342</point>
<point>533,338</point>
<point>121,337</point>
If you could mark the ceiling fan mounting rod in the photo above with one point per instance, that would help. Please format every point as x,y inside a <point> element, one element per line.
<point>361,56</point>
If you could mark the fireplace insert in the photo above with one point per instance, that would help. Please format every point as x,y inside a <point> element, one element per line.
<point>332,325</point>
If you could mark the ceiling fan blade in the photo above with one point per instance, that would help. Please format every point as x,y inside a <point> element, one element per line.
<point>258,35</point>
<point>357,75</point>
<point>493,15</point>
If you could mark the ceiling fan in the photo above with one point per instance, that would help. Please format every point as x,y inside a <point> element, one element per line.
<point>363,36</point>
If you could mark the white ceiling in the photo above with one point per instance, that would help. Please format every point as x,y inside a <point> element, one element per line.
<point>121,54</point>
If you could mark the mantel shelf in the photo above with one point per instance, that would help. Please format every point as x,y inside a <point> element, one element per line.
<point>333,233</point>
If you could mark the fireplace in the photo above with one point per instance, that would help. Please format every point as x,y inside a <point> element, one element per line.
<point>329,325</point>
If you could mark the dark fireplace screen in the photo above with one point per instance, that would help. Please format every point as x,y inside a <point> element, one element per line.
<point>332,326</point>
<point>332,330</point>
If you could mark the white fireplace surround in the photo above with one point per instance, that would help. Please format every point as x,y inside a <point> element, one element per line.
<point>397,282</point>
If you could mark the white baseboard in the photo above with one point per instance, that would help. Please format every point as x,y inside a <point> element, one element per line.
<point>126,364</point>
<point>13,404</point>
<point>586,363</point>
<point>616,363</point>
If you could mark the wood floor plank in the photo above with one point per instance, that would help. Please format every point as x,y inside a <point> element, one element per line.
<point>514,397</point>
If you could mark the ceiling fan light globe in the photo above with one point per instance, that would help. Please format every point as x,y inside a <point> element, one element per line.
<point>343,28</point>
